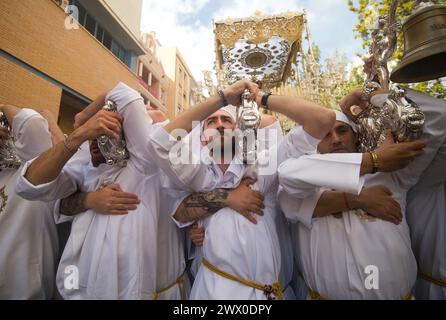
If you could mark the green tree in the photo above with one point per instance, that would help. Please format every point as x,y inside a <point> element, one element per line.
<point>368,11</point>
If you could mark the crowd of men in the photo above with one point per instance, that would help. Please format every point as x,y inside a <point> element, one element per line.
<point>186,218</point>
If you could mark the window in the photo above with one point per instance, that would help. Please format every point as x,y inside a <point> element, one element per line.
<point>82,13</point>
<point>99,33</point>
<point>122,55</point>
<point>107,40</point>
<point>115,48</point>
<point>90,24</point>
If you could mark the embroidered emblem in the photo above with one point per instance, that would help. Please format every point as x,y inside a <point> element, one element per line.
<point>364,216</point>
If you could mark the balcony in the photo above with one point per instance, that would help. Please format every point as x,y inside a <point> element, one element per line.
<point>152,89</point>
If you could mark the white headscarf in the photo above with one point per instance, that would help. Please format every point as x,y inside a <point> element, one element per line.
<point>343,118</point>
<point>229,109</point>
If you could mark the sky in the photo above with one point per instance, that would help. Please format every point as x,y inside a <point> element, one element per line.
<point>188,25</point>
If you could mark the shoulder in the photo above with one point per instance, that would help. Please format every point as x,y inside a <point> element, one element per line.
<point>267,120</point>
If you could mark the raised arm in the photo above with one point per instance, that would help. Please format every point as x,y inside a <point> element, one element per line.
<point>202,111</point>
<point>316,120</point>
<point>48,165</point>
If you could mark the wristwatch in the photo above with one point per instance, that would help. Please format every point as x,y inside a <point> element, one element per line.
<point>264,101</point>
<point>223,98</point>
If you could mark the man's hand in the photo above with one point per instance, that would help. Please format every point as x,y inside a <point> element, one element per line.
<point>393,156</point>
<point>352,104</point>
<point>378,202</point>
<point>244,200</point>
<point>102,123</point>
<point>234,92</point>
<point>112,200</point>
<point>197,235</point>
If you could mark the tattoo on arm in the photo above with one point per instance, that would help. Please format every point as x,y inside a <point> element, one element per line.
<point>201,205</point>
<point>73,204</point>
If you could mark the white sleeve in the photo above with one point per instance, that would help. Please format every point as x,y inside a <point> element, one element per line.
<point>31,134</point>
<point>297,143</point>
<point>137,124</point>
<point>434,134</point>
<point>63,186</point>
<point>300,176</point>
<point>171,199</point>
<point>299,210</point>
<point>180,163</point>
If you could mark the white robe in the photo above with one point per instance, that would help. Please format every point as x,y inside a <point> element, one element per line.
<point>333,253</point>
<point>171,246</point>
<point>232,243</point>
<point>28,235</point>
<point>115,255</point>
<point>426,211</point>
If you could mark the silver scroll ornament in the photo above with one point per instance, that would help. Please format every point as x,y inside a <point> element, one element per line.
<point>8,155</point>
<point>399,114</point>
<point>113,150</point>
<point>248,123</point>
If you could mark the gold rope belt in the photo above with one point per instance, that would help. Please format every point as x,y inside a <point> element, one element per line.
<point>436,281</point>
<point>267,289</point>
<point>179,282</point>
<point>316,296</point>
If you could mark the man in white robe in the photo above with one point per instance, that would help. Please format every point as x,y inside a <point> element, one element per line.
<point>114,256</point>
<point>28,235</point>
<point>270,135</point>
<point>426,216</point>
<point>111,200</point>
<point>354,255</point>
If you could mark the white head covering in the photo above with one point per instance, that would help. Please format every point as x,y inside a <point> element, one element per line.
<point>343,118</point>
<point>229,109</point>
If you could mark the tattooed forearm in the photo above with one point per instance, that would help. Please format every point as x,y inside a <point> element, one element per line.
<point>201,205</point>
<point>74,204</point>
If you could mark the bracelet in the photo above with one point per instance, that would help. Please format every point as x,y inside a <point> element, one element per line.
<point>66,145</point>
<point>264,100</point>
<point>346,202</point>
<point>375,162</point>
<point>223,98</point>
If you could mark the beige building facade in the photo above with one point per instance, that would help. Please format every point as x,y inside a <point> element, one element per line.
<point>49,61</point>
<point>152,75</point>
<point>181,92</point>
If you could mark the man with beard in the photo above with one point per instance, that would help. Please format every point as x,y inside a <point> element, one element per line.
<point>98,245</point>
<point>353,242</point>
<point>195,208</point>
